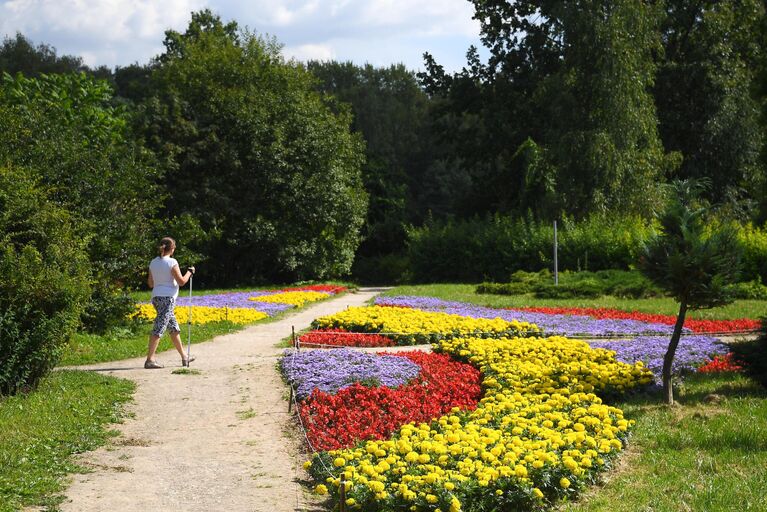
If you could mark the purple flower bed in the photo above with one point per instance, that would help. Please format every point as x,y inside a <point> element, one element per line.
<point>567,325</point>
<point>331,370</point>
<point>691,352</point>
<point>236,300</point>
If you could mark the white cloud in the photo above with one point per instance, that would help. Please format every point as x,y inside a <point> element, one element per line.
<point>103,32</point>
<point>306,52</point>
<point>119,32</point>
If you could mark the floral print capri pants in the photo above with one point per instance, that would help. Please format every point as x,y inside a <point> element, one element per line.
<point>166,318</point>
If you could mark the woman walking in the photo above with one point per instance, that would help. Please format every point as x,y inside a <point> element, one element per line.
<point>165,279</point>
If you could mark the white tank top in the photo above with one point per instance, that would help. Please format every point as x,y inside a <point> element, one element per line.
<point>164,284</point>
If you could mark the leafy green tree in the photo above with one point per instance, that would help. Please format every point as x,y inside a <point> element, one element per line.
<point>693,262</point>
<point>711,54</point>
<point>65,130</point>
<point>271,172</point>
<point>560,119</point>
<point>44,279</point>
<point>392,112</point>
<point>19,55</point>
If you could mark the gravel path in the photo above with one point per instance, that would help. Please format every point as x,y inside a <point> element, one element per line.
<point>221,440</point>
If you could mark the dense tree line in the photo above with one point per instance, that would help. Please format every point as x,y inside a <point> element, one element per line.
<point>583,108</point>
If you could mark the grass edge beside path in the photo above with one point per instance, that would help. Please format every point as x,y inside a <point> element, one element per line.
<point>40,432</point>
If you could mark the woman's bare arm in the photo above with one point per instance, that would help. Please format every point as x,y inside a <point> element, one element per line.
<point>181,280</point>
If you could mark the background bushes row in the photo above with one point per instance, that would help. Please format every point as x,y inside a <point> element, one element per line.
<point>493,248</point>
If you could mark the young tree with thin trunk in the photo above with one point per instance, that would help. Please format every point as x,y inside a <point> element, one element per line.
<point>691,258</point>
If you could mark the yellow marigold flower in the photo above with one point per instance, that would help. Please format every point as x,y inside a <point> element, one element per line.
<point>321,489</point>
<point>564,483</point>
<point>296,298</point>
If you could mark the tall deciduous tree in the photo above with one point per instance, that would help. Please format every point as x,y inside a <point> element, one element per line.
<point>256,155</point>
<point>712,52</point>
<point>562,111</point>
<point>391,112</point>
<point>690,260</point>
<point>65,130</point>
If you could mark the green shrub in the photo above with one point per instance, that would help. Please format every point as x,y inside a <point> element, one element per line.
<point>753,242</point>
<point>107,308</point>
<point>583,289</point>
<point>43,282</point>
<point>750,290</point>
<point>492,248</point>
<point>753,355</point>
<point>619,283</point>
<point>514,288</point>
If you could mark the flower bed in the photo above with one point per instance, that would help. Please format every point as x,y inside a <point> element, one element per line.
<point>724,363</point>
<point>550,324</point>
<point>335,337</point>
<point>539,433</point>
<point>327,288</point>
<point>241,307</point>
<point>650,350</point>
<point>204,314</point>
<point>358,411</point>
<point>695,325</point>
<point>330,372</point>
<point>408,326</point>
<point>294,298</point>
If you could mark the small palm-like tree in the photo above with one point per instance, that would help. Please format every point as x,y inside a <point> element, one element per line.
<point>691,259</point>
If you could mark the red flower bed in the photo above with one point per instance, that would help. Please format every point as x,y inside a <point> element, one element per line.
<point>329,288</point>
<point>721,364</point>
<point>358,412</point>
<point>338,338</point>
<point>695,325</point>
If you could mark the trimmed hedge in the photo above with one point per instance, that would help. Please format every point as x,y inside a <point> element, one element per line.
<point>619,283</point>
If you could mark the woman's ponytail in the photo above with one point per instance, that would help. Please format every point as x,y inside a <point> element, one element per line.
<point>166,245</point>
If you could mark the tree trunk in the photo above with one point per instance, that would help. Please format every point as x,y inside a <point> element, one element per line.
<point>669,358</point>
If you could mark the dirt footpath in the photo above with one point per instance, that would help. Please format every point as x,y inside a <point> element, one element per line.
<point>218,441</point>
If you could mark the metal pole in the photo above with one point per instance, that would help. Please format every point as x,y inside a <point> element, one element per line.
<point>556,263</point>
<point>189,323</point>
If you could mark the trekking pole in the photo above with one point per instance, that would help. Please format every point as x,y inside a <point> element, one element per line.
<point>189,324</point>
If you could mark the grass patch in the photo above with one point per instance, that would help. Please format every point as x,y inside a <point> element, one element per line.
<point>700,455</point>
<point>119,344</point>
<point>186,371</point>
<point>663,305</point>
<point>40,432</point>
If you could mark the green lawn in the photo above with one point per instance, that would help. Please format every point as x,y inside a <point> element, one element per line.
<point>40,432</point>
<point>465,293</point>
<point>696,456</point>
<point>126,343</point>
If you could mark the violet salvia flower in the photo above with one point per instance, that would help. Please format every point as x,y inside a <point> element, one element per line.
<point>331,370</point>
<point>691,352</point>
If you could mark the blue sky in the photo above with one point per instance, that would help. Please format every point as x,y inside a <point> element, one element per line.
<point>381,32</point>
